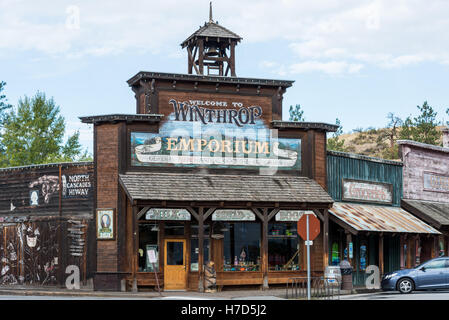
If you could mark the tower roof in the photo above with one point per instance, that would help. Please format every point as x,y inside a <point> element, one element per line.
<point>212,30</point>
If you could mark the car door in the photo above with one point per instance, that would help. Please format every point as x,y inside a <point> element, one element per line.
<point>433,275</point>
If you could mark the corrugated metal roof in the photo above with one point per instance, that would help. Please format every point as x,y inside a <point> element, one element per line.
<point>363,217</point>
<point>435,213</point>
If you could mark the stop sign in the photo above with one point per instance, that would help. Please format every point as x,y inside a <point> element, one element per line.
<point>314,227</point>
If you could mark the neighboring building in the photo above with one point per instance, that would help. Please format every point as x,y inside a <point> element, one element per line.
<point>426,187</point>
<point>367,226</point>
<point>46,222</point>
<point>206,170</point>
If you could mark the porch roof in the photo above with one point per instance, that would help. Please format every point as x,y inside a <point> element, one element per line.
<point>244,188</point>
<point>374,218</point>
<point>434,213</point>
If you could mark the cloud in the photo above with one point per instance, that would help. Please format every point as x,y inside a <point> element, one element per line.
<point>331,67</point>
<point>326,35</point>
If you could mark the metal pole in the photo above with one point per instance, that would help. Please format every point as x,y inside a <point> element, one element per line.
<point>308,260</point>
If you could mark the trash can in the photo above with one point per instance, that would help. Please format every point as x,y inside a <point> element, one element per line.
<point>346,275</point>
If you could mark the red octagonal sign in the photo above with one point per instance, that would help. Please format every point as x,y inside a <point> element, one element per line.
<point>314,227</point>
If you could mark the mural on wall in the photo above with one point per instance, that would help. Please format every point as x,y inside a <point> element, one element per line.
<point>38,191</point>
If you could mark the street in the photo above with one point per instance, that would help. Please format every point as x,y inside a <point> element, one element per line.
<point>395,295</point>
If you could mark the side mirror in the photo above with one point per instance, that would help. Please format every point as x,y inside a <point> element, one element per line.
<point>423,269</point>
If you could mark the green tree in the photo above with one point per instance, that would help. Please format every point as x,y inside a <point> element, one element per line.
<point>391,133</point>
<point>422,128</point>
<point>335,143</point>
<point>4,106</point>
<point>296,114</point>
<point>34,135</point>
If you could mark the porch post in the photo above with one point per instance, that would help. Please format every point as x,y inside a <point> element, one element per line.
<point>326,238</point>
<point>200,248</point>
<point>265,249</point>
<point>348,240</point>
<point>381,254</point>
<point>135,252</point>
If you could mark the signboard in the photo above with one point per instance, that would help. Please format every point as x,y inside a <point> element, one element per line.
<point>290,215</point>
<point>167,214</point>
<point>367,191</point>
<point>435,182</point>
<point>233,215</point>
<point>215,130</point>
<point>351,251</point>
<point>76,185</point>
<point>105,223</point>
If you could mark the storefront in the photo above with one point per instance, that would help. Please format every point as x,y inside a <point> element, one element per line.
<point>426,190</point>
<point>206,170</point>
<point>367,226</point>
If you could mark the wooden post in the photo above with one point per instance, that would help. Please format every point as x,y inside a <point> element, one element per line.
<point>381,254</point>
<point>232,58</point>
<point>135,250</point>
<point>402,241</point>
<point>201,56</point>
<point>200,248</point>
<point>326,238</point>
<point>436,248</point>
<point>265,249</point>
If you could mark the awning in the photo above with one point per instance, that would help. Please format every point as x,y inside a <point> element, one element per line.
<point>244,188</point>
<point>372,218</point>
<point>434,213</point>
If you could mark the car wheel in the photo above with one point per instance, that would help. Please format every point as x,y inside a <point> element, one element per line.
<point>405,285</point>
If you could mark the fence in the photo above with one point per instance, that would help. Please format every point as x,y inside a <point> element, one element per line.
<point>320,288</point>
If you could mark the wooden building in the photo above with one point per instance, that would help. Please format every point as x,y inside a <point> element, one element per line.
<point>368,226</point>
<point>45,223</point>
<point>426,187</point>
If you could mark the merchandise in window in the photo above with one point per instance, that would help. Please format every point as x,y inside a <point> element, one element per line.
<point>148,240</point>
<point>283,247</point>
<point>241,246</point>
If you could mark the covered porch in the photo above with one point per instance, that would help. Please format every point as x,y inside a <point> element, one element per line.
<point>246,225</point>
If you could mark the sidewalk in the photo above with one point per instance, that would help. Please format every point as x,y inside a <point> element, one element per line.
<point>271,294</point>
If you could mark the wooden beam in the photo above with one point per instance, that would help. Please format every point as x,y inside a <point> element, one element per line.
<point>142,212</point>
<point>193,213</point>
<point>265,249</point>
<point>318,213</point>
<point>208,213</point>
<point>381,254</point>
<point>273,213</point>
<point>258,213</point>
<point>325,238</point>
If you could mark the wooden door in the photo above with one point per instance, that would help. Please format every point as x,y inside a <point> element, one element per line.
<point>175,271</point>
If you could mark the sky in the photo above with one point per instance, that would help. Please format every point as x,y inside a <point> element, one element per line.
<point>356,60</point>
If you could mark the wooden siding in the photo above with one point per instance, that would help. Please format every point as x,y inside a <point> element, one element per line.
<point>341,167</point>
<point>416,162</point>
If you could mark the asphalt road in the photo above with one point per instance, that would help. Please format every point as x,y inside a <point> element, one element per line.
<point>394,295</point>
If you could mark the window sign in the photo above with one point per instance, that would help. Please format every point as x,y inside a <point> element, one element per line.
<point>167,214</point>
<point>233,215</point>
<point>436,182</point>
<point>290,215</point>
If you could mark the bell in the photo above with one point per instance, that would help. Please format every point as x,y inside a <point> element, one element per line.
<point>212,51</point>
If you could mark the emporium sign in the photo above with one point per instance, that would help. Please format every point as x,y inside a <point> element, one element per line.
<point>436,182</point>
<point>367,191</point>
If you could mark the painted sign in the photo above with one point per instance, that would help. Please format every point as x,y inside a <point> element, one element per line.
<point>215,149</point>
<point>233,215</point>
<point>105,224</point>
<point>167,214</point>
<point>367,191</point>
<point>76,185</point>
<point>215,130</point>
<point>290,215</point>
<point>436,182</point>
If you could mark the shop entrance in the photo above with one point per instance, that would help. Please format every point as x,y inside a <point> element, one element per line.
<point>175,271</point>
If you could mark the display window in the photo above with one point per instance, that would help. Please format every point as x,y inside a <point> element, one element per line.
<point>194,245</point>
<point>363,256</point>
<point>283,247</point>
<point>148,240</point>
<point>241,246</point>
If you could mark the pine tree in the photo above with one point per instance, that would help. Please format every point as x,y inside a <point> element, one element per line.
<point>422,128</point>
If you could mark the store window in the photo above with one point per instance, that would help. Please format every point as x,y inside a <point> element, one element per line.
<point>241,246</point>
<point>148,241</point>
<point>194,245</point>
<point>363,256</point>
<point>173,229</point>
<point>283,247</point>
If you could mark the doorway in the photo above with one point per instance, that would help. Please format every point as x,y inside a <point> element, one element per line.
<point>175,271</point>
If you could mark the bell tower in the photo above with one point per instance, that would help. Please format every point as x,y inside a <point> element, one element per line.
<point>211,49</point>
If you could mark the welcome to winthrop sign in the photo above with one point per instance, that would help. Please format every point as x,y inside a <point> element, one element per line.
<point>216,133</point>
